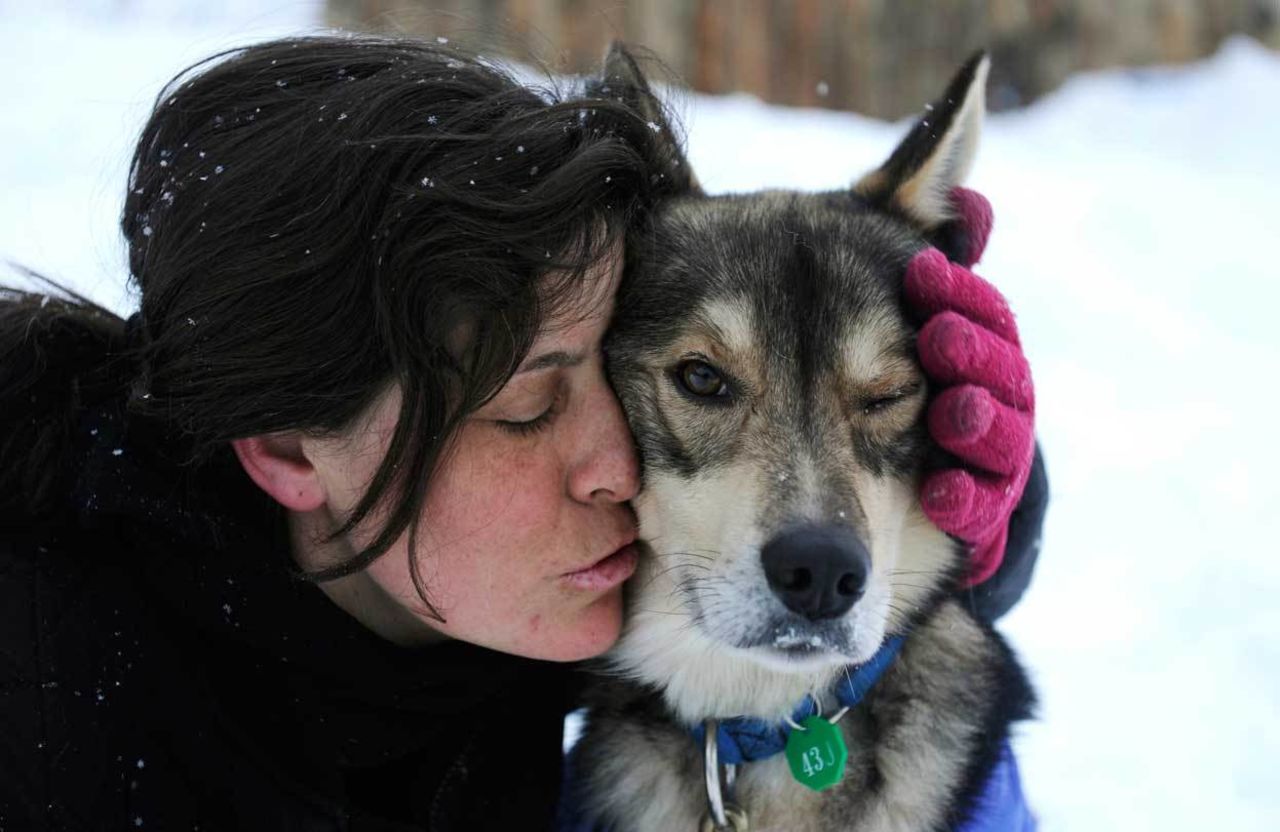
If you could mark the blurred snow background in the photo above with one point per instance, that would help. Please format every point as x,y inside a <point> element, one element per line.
<point>1128,206</point>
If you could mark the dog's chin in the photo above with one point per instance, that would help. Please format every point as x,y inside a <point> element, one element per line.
<point>786,646</point>
<point>788,649</point>
<point>798,659</point>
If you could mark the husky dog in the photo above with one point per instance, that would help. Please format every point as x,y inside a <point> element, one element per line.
<point>770,378</point>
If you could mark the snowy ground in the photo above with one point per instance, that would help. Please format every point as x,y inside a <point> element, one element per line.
<point>1128,205</point>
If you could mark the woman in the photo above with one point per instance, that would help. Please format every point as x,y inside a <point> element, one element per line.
<point>374,276</point>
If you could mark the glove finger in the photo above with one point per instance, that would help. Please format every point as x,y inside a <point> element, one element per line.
<point>970,423</point>
<point>993,501</point>
<point>986,558</point>
<point>976,218</point>
<point>934,284</point>
<point>946,496</point>
<point>968,505</point>
<point>954,350</point>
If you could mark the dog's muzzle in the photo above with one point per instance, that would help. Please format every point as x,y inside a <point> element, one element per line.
<point>817,571</point>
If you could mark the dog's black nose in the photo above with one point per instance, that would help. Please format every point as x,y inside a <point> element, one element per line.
<point>817,571</point>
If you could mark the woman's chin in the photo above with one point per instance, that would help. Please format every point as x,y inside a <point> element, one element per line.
<point>587,634</point>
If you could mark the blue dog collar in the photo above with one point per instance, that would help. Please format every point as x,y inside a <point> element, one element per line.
<point>744,739</point>
<point>1001,806</point>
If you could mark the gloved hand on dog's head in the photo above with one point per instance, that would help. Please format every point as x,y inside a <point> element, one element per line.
<point>983,408</point>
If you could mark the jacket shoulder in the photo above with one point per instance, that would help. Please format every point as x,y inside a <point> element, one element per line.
<point>68,654</point>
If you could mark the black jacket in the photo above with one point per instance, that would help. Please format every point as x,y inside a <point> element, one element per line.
<point>161,668</point>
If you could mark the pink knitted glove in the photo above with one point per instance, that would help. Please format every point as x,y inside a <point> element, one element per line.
<point>984,405</point>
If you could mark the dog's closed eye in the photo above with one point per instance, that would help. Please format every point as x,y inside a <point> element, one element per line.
<point>872,404</point>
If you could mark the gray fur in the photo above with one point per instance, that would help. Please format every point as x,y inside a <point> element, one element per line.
<point>794,300</point>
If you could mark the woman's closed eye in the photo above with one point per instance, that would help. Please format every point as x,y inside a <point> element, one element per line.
<point>541,419</point>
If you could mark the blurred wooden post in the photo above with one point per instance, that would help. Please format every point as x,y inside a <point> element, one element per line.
<point>880,57</point>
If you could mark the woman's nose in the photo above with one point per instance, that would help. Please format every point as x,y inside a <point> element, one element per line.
<point>605,467</point>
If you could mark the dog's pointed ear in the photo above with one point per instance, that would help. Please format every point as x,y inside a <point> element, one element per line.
<point>936,154</point>
<point>622,80</point>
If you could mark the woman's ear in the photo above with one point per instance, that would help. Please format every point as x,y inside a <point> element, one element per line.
<point>278,463</point>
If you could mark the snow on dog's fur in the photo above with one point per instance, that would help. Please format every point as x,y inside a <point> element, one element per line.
<point>769,376</point>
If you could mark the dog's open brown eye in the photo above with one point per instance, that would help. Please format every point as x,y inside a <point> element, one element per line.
<point>701,379</point>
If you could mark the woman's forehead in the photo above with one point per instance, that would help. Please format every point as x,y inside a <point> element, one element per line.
<point>583,309</point>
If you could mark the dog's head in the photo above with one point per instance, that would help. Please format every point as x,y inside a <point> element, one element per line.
<point>769,374</point>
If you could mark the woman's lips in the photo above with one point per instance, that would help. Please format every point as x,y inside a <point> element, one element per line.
<point>607,572</point>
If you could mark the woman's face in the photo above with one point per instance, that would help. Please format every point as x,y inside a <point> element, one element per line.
<point>524,540</point>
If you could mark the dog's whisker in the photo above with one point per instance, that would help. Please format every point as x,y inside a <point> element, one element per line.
<point>661,573</point>
<point>678,553</point>
<point>648,611</point>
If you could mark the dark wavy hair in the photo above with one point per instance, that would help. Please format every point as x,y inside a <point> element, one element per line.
<point>312,219</point>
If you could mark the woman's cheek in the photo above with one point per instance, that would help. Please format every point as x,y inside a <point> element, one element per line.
<point>501,494</point>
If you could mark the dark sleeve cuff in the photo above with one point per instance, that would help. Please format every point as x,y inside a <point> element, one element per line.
<point>997,595</point>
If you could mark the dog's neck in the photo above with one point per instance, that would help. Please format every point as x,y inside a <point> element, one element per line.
<point>743,740</point>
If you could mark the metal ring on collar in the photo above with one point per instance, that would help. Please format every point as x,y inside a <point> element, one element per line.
<point>735,821</point>
<point>721,813</point>
<point>711,768</point>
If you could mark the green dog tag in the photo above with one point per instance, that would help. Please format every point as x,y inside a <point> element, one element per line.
<point>817,754</point>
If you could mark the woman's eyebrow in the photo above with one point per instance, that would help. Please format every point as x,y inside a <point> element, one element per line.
<point>551,359</point>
